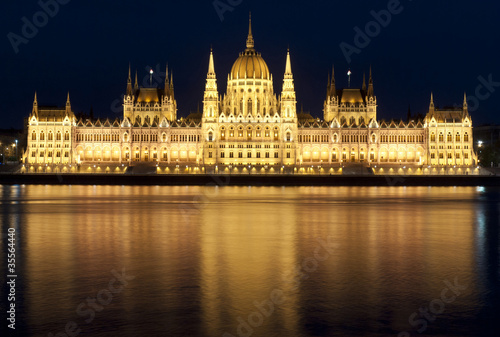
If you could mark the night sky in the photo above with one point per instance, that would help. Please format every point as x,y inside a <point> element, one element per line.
<point>447,47</point>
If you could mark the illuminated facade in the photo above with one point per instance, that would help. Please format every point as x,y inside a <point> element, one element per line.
<point>250,130</point>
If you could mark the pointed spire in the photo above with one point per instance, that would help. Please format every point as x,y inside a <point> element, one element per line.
<point>364,83</point>
<point>167,84</point>
<point>35,107</point>
<point>288,68</point>
<point>136,85</point>
<point>431,105</point>
<point>333,89</point>
<point>465,100</point>
<point>370,84</point>
<point>250,41</point>
<point>129,81</point>
<point>211,67</point>
<point>67,100</point>
<point>172,83</point>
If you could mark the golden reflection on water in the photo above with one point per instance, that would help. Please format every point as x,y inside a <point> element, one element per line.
<point>203,256</point>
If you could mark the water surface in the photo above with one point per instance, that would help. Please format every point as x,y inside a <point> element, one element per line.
<point>209,261</point>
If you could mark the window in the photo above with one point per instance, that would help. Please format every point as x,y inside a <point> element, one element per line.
<point>58,136</point>
<point>267,154</point>
<point>42,136</point>
<point>210,154</point>
<point>441,137</point>
<point>448,137</point>
<point>288,154</point>
<point>433,137</point>
<point>457,137</point>
<point>276,155</point>
<point>210,136</point>
<point>441,155</point>
<point>240,154</point>
<point>231,154</point>
<point>433,156</point>
<point>258,154</point>
<point>449,155</point>
<point>466,137</point>
<point>33,136</point>
<point>223,155</point>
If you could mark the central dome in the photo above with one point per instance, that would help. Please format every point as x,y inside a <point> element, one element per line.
<point>250,64</point>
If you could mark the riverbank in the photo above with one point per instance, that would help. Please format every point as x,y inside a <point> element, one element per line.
<point>247,180</point>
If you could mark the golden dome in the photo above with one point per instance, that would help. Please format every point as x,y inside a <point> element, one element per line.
<point>250,65</point>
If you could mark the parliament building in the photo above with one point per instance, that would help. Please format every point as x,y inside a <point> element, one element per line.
<point>249,130</point>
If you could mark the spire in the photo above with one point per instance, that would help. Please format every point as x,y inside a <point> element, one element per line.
<point>288,68</point>
<point>370,84</point>
<point>364,83</point>
<point>333,89</point>
<point>35,107</point>
<point>211,67</point>
<point>68,106</point>
<point>431,105</point>
<point>136,85</point>
<point>250,41</point>
<point>466,106</point>
<point>129,81</point>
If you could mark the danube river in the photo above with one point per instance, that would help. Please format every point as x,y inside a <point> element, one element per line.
<point>252,261</point>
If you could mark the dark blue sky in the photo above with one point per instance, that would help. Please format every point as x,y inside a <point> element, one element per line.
<point>439,46</point>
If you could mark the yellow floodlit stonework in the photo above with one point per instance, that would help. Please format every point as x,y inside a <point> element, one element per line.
<point>250,130</point>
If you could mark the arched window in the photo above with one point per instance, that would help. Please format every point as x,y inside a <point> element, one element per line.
<point>33,136</point>
<point>267,133</point>
<point>223,133</point>
<point>258,131</point>
<point>240,131</point>
<point>231,132</point>
<point>249,106</point>
<point>288,136</point>
<point>210,136</point>
<point>352,121</point>
<point>58,135</point>
<point>433,137</point>
<point>138,120</point>
<point>335,138</point>
<point>249,133</point>
<point>51,136</point>
<point>66,135</point>
<point>374,138</point>
<point>441,137</point>
<point>448,137</point>
<point>276,133</point>
<point>457,137</point>
<point>342,120</point>
<point>164,137</point>
<point>361,120</point>
<point>466,137</point>
<point>125,137</point>
<point>258,105</point>
<point>42,136</point>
